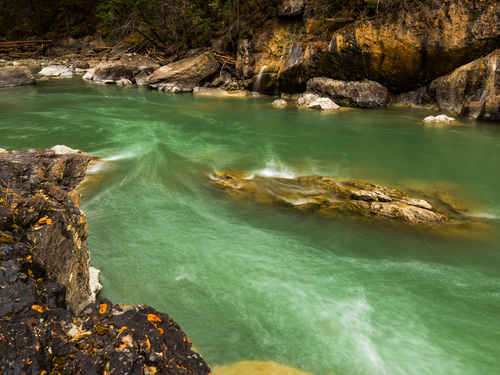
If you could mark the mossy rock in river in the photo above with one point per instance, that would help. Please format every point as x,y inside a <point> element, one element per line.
<point>334,197</point>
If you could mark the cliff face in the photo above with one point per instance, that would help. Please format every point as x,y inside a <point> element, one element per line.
<point>402,53</point>
<point>48,321</point>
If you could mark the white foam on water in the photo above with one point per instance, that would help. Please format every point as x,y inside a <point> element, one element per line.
<point>276,169</point>
<point>121,156</point>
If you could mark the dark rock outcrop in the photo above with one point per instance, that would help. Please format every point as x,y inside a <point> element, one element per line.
<point>185,74</point>
<point>291,8</point>
<point>16,76</point>
<point>337,197</point>
<point>472,90</point>
<point>47,325</point>
<point>360,93</point>
<point>401,54</point>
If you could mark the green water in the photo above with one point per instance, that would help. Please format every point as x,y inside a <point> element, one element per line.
<point>251,282</point>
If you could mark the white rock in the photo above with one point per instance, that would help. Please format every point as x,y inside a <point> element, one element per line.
<point>323,103</point>
<point>95,285</point>
<point>63,150</point>
<point>89,75</point>
<point>306,98</point>
<point>56,70</point>
<point>279,103</point>
<point>440,119</point>
<point>2,150</point>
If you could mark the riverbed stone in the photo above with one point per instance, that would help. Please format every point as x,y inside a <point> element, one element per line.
<point>11,76</point>
<point>442,119</point>
<point>279,103</point>
<point>324,104</point>
<point>56,71</point>
<point>359,93</point>
<point>212,91</point>
<point>332,197</point>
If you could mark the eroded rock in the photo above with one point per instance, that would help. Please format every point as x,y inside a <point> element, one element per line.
<point>279,103</point>
<point>56,71</point>
<point>441,119</point>
<point>359,93</point>
<point>184,75</point>
<point>332,197</point>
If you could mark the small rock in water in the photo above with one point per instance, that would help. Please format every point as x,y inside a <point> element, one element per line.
<point>56,71</point>
<point>323,103</point>
<point>443,119</point>
<point>63,150</point>
<point>279,103</point>
<point>89,75</point>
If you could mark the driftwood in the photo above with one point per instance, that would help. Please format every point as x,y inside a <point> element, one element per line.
<point>23,48</point>
<point>341,19</point>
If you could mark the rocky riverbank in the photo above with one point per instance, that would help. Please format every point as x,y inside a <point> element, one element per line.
<point>442,58</point>
<point>49,320</point>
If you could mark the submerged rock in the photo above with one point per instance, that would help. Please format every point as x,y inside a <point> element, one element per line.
<point>279,103</point>
<point>333,197</point>
<point>211,91</point>
<point>11,76</point>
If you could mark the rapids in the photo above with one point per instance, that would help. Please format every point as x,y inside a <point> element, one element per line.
<point>248,282</point>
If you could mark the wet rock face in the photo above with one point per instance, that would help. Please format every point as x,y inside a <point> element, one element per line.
<point>353,94</point>
<point>39,206</point>
<point>46,324</point>
<point>472,90</point>
<point>401,54</point>
<point>184,75</point>
<point>333,197</point>
<point>16,76</point>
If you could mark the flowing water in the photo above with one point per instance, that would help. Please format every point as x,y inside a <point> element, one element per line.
<point>255,283</point>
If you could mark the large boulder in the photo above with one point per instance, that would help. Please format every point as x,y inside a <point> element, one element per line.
<point>472,90</point>
<point>185,74</point>
<point>16,76</point>
<point>112,72</point>
<point>402,53</point>
<point>139,63</point>
<point>359,93</point>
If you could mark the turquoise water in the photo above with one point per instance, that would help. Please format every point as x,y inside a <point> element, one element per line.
<point>252,282</point>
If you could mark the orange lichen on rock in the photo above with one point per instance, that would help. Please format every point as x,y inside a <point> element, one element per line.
<point>153,318</point>
<point>37,308</point>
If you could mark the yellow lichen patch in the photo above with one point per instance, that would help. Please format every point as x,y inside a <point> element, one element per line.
<point>153,318</point>
<point>29,361</point>
<point>37,308</point>
<point>150,370</point>
<point>5,238</point>
<point>103,308</point>
<point>122,329</point>
<point>256,368</point>
<point>160,330</point>
<point>42,221</point>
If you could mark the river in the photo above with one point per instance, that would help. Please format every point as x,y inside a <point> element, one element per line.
<point>249,282</point>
